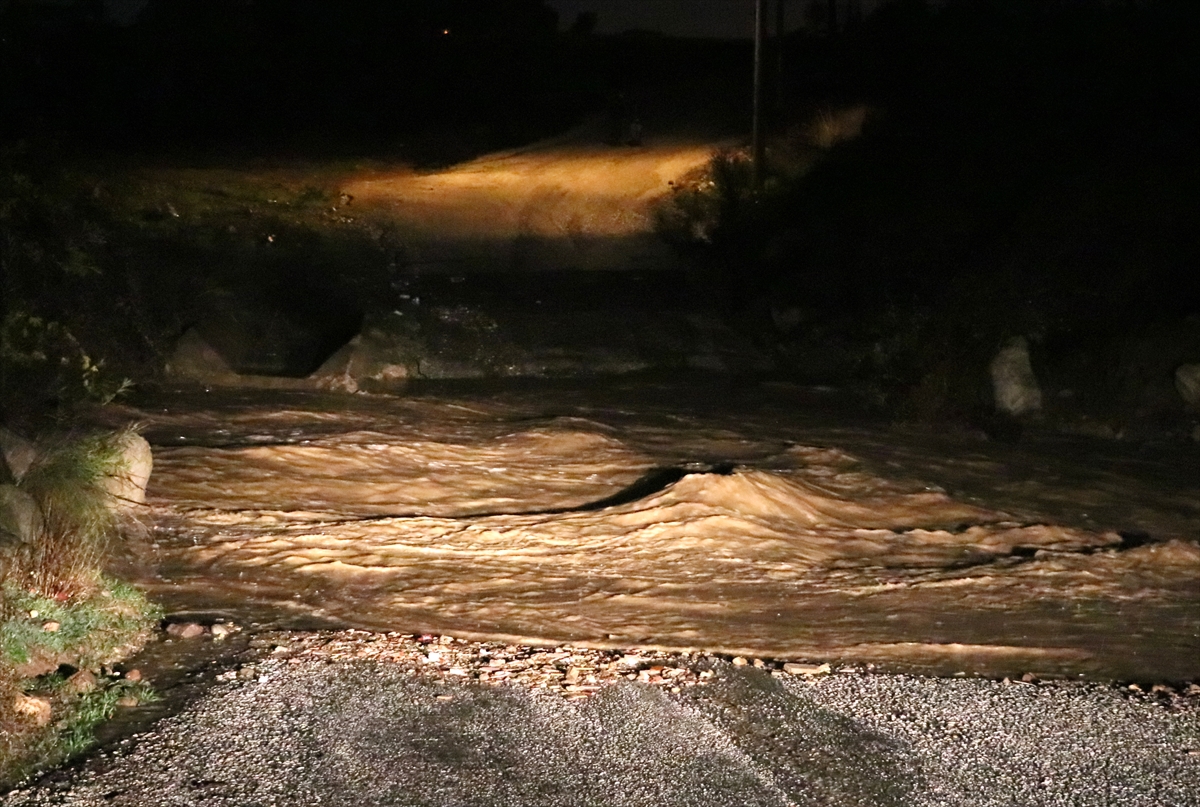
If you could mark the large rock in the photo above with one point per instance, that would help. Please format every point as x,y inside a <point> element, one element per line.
<point>37,710</point>
<point>128,486</point>
<point>1187,381</point>
<point>20,516</point>
<point>18,454</point>
<point>137,462</point>
<point>1013,382</point>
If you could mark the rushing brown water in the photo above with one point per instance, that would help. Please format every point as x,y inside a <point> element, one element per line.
<point>677,515</point>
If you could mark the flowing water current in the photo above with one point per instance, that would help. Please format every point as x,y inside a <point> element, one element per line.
<point>766,520</point>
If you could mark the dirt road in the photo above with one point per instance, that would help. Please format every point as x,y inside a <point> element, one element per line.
<point>570,202</point>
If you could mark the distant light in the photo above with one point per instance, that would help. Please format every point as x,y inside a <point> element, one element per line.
<point>445,32</point>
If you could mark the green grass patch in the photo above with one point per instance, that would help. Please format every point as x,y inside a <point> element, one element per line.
<point>76,732</point>
<point>90,633</point>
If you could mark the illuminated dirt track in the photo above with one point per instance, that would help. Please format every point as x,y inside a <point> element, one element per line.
<point>572,202</point>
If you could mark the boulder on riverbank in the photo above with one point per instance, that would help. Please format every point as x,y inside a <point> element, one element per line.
<point>1015,386</point>
<point>128,486</point>
<point>1187,381</point>
<point>17,454</point>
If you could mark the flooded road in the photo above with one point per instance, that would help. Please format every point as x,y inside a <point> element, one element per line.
<point>760,520</point>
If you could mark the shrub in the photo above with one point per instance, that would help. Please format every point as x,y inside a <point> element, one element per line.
<point>53,246</point>
<point>69,482</point>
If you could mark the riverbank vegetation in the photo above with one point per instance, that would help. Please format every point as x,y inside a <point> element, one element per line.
<point>1023,170</point>
<point>63,623</point>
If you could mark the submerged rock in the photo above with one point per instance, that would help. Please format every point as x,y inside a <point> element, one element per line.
<point>186,630</point>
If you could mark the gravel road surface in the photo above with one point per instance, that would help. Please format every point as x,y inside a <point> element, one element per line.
<point>313,726</point>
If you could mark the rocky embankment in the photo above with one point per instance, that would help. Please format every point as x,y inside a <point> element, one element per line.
<point>574,672</point>
<point>569,671</point>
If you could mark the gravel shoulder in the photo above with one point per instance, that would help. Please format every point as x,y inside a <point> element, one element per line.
<point>382,719</point>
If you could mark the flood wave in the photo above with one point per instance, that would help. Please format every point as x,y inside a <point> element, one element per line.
<point>614,528</point>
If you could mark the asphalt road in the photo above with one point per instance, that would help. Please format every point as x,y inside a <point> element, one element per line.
<point>313,732</point>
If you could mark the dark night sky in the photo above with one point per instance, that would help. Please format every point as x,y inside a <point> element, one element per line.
<point>713,18</point>
<point>710,18</point>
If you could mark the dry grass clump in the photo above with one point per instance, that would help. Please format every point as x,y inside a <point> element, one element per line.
<point>833,126</point>
<point>70,482</point>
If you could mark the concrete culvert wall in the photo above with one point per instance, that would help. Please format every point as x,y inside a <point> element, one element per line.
<point>277,331</point>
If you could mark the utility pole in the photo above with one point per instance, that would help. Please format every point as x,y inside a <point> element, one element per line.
<point>780,25</point>
<point>757,147</point>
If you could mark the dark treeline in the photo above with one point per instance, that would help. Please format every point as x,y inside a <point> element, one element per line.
<point>1044,150</point>
<point>247,70</point>
<point>334,75</point>
<point>1028,168</point>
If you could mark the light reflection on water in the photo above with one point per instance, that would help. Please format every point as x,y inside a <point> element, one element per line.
<point>793,527</point>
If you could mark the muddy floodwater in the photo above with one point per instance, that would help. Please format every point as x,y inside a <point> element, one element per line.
<point>764,520</point>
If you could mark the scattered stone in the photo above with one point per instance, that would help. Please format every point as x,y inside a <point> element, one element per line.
<point>34,708</point>
<point>82,681</point>
<point>134,675</point>
<point>186,630</point>
<point>127,701</point>
<point>222,629</point>
<point>571,672</point>
<point>51,626</point>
